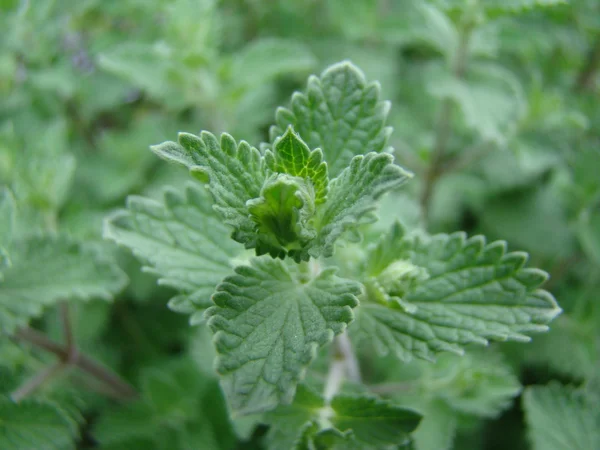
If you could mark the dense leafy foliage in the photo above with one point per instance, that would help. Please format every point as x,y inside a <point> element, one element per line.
<point>302,284</point>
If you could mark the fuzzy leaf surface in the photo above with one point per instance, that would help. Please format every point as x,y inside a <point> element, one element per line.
<point>234,173</point>
<point>340,113</point>
<point>268,323</point>
<point>288,422</point>
<point>182,239</point>
<point>353,195</point>
<point>375,423</point>
<point>349,421</point>
<point>32,424</point>
<point>282,214</point>
<point>475,292</point>
<point>560,417</point>
<point>291,155</point>
<point>45,270</point>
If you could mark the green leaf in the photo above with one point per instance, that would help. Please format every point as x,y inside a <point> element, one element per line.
<point>268,323</point>
<point>266,58</point>
<point>352,196</point>
<point>48,269</point>
<point>492,101</point>
<point>288,422</point>
<point>479,383</point>
<point>588,232</point>
<point>375,423</point>
<point>503,6</point>
<point>292,156</point>
<point>572,346</point>
<point>146,66</point>
<point>340,113</point>
<point>31,424</point>
<point>349,421</point>
<point>183,241</point>
<point>174,399</point>
<point>561,417</point>
<point>282,214</point>
<point>234,173</point>
<point>530,219</point>
<point>437,429</point>
<point>475,292</point>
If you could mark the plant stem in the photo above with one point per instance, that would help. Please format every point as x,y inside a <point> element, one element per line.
<point>444,122</point>
<point>72,357</point>
<point>65,317</point>
<point>344,364</point>
<point>36,381</point>
<point>585,80</point>
<point>105,375</point>
<point>390,388</point>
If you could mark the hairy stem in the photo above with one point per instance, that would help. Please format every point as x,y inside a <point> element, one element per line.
<point>72,357</point>
<point>65,316</point>
<point>443,129</point>
<point>36,381</point>
<point>585,80</point>
<point>343,365</point>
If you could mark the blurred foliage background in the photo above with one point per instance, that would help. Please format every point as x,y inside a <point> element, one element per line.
<point>495,107</point>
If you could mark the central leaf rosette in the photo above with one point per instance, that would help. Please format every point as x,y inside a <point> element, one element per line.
<point>285,211</point>
<point>282,202</point>
<point>283,214</point>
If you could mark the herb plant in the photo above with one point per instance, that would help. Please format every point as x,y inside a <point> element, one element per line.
<point>302,285</point>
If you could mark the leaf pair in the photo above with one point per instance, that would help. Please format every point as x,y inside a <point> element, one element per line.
<point>347,422</point>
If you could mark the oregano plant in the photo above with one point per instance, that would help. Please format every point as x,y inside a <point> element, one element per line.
<point>276,252</point>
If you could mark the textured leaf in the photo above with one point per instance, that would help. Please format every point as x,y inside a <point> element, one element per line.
<point>561,417</point>
<point>282,214</point>
<point>349,421</point>
<point>352,195</point>
<point>340,113</point>
<point>375,424</point>
<point>475,292</point>
<point>32,424</point>
<point>234,174</point>
<point>45,270</point>
<point>288,422</point>
<point>292,156</point>
<point>268,324</point>
<point>182,239</point>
